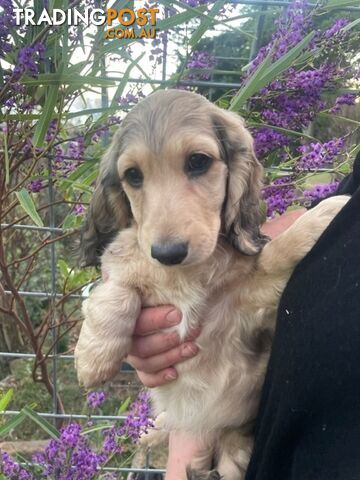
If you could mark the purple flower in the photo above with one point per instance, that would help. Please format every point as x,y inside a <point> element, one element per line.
<point>76,148</point>
<point>70,435</point>
<point>7,20</point>
<point>28,59</point>
<point>11,469</point>
<point>321,191</point>
<point>200,65</point>
<point>95,399</point>
<point>279,195</point>
<point>50,134</point>
<point>345,99</point>
<point>336,28</point>
<point>267,139</point>
<point>138,420</point>
<point>35,186</point>
<point>196,3</point>
<point>128,100</point>
<point>317,155</point>
<point>79,209</point>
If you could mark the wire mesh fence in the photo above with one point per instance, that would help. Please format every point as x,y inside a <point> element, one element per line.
<point>52,232</point>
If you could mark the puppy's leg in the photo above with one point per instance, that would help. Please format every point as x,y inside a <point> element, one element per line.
<point>231,458</point>
<point>156,435</point>
<point>233,455</point>
<point>285,251</point>
<point>190,456</point>
<point>105,338</point>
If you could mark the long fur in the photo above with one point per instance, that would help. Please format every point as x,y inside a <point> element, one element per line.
<point>229,283</point>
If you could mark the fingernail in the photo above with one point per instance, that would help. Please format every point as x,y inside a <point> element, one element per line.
<point>173,317</point>
<point>170,376</point>
<point>194,332</point>
<point>189,350</point>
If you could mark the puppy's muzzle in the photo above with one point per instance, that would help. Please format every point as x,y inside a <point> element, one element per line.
<point>169,253</point>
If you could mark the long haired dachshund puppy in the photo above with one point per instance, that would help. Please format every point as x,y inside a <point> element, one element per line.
<point>175,218</point>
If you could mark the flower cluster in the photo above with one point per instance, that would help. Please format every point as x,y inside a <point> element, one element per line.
<point>317,155</point>
<point>345,99</point>
<point>279,195</point>
<point>138,420</point>
<point>196,3</point>
<point>72,457</point>
<point>322,190</point>
<point>291,29</point>
<point>292,101</point>
<point>28,60</point>
<point>12,470</point>
<point>200,65</point>
<point>96,399</point>
<point>7,21</point>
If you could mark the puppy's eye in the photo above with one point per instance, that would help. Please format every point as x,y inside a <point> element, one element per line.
<point>134,177</point>
<point>197,164</point>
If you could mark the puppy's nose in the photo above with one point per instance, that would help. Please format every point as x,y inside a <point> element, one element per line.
<point>169,253</point>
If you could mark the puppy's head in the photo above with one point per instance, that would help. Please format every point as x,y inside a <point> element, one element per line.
<point>184,171</point>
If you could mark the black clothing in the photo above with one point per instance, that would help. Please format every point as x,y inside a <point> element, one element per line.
<point>308,427</point>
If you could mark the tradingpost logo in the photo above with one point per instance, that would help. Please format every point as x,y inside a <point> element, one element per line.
<point>122,23</point>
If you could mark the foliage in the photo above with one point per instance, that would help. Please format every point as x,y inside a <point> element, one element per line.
<point>80,452</point>
<point>53,133</point>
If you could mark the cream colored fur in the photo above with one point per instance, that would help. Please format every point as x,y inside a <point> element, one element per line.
<point>233,297</point>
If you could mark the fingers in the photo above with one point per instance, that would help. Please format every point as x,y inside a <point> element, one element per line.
<point>154,344</point>
<point>151,380</point>
<point>155,363</point>
<point>154,352</point>
<point>156,318</point>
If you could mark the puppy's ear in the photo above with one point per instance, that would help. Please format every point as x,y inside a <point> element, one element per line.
<point>241,209</point>
<point>109,210</point>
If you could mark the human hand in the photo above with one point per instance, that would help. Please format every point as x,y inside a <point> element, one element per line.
<point>154,353</point>
<point>278,225</point>
<point>184,450</point>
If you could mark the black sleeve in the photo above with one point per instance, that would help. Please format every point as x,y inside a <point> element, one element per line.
<point>348,185</point>
<point>352,182</point>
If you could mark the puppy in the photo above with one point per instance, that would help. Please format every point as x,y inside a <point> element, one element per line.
<point>178,199</point>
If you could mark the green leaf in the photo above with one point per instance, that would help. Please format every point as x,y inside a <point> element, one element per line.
<point>344,119</point>
<point>287,131</point>
<point>44,424</point>
<point>11,424</point>
<point>28,205</point>
<point>96,428</point>
<point>266,73</point>
<point>123,407</point>
<point>73,79</point>
<point>6,155</point>
<point>6,399</point>
<point>351,25</point>
<point>122,85</point>
<point>71,221</point>
<point>251,85</point>
<point>42,125</point>
<point>63,267</point>
<point>340,3</point>
<point>284,62</point>
<point>76,174</point>
<point>206,23</point>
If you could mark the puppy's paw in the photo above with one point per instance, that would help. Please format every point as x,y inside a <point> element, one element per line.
<point>192,474</point>
<point>156,435</point>
<point>315,221</point>
<point>97,364</point>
